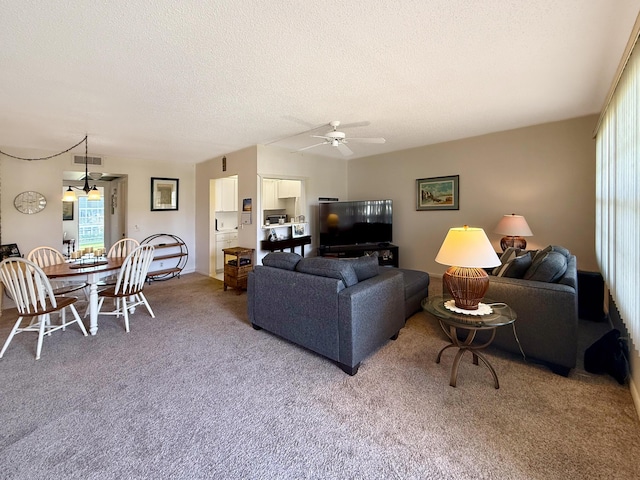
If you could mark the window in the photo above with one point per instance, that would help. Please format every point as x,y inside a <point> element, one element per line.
<point>91,222</point>
<point>618,195</point>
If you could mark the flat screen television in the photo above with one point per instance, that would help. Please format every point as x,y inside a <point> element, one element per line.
<point>357,222</point>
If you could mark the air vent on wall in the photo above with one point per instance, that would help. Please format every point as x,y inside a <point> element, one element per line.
<point>79,160</point>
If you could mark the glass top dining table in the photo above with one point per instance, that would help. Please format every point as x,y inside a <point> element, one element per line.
<point>92,273</point>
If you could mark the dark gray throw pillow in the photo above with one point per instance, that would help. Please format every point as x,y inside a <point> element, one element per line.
<point>365,267</point>
<point>284,260</point>
<point>547,267</point>
<point>329,267</point>
<point>551,248</point>
<point>509,254</point>
<point>514,268</point>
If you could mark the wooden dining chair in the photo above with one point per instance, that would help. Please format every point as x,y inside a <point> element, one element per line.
<point>121,248</point>
<point>47,256</point>
<point>127,291</point>
<point>33,295</point>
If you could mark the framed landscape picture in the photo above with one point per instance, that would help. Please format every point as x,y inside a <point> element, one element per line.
<point>164,194</point>
<point>438,193</point>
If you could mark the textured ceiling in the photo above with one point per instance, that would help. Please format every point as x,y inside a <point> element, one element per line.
<point>188,81</point>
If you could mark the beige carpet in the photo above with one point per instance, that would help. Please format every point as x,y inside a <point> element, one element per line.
<point>197,393</point>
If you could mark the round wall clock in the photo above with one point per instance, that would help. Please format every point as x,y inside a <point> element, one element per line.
<point>30,202</point>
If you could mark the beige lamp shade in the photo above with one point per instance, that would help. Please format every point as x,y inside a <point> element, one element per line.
<point>514,225</point>
<point>94,194</point>
<point>69,195</point>
<point>514,228</point>
<point>468,251</point>
<point>467,247</point>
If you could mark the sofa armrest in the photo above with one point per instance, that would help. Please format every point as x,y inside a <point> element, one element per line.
<point>547,324</point>
<point>297,306</point>
<point>370,313</point>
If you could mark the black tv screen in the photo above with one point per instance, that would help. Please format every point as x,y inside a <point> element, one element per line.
<point>357,222</point>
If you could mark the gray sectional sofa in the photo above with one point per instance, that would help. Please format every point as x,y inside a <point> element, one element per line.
<point>416,288</point>
<point>341,309</point>
<point>543,291</point>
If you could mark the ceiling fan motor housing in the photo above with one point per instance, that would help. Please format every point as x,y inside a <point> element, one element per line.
<point>335,135</point>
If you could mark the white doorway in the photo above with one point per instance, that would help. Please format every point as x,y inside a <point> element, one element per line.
<point>223,221</point>
<point>96,223</point>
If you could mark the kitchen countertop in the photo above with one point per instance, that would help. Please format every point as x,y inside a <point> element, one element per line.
<point>281,225</point>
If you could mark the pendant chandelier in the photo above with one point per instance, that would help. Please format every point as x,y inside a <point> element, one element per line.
<point>92,193</point>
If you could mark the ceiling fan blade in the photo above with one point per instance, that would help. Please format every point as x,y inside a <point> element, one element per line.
<point>311,146</point>
<point>279,139</point>
<point>355,124</point>
<point>320,136</point>
<point>344,150</point>
<point>367,140</point>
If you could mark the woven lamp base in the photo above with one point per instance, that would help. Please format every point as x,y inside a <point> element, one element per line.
<point>516,242</point>
<point>466,285</point>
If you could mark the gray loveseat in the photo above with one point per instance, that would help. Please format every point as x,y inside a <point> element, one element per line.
<point>545,298</point>
<point>342,309</point>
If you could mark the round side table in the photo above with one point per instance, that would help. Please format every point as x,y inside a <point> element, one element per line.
<point>451,322</point>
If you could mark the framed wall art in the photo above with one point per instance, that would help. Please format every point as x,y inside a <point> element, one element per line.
<point>9,250</point>
<point>298,230</point>
<point>438,193</point>
<point>164,194</point>
<point>67,210</point>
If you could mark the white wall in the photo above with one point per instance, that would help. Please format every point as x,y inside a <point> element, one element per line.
<point>45,176</point>
<point>545,172</point>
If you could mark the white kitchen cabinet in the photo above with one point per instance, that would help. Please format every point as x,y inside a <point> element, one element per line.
<point>270,200</point>
<point>289,188</point>
<point>224,240</point>
<point>227,194</point>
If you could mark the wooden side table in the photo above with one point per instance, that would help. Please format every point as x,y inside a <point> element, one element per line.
<point>238,262</point>
<point>71,246</point>
<point>451,322</point>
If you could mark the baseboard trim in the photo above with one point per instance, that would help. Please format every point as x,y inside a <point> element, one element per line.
<point>635,395</point>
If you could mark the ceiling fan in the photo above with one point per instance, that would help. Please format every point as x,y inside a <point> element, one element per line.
<point>339,139</point>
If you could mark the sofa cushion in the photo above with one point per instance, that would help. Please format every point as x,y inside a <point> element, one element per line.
<point>551,248</point>
<point>415,282</point>
<point>509,254</point>
<point>284,260</point>
<point>547,267</point>
<point>329,267</point>
<point>514,268</point>
<point>365,267</point>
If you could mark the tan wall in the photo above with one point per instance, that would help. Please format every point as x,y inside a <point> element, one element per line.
<point>544,172</point>
<point>241,163</point>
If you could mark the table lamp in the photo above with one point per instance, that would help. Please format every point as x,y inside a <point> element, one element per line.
<point>467,250</point>
<point>514,227</point>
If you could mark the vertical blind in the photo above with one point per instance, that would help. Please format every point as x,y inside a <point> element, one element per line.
<point>618,196</point>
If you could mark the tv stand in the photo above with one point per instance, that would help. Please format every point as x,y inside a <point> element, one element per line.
<point>388,254</point>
